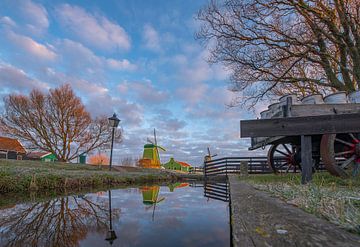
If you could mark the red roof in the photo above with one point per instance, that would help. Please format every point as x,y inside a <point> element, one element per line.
<point>37,155</point>
<point>10,144</point>
<point>183,164</point>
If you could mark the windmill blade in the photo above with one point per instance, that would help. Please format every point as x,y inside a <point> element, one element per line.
<point>163,149</point>
<point>155,137</point>
<point>209,151</point>
<point>214,155</point>
<point>150,141</point>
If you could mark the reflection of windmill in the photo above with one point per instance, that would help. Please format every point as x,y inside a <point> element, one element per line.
<point>150,198</point>
<point>151,157</point>
<point>208,157</point>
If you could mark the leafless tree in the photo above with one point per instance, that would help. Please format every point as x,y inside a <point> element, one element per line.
<point>58,222</point>
<point>280,46</point>
<point>56,122</point>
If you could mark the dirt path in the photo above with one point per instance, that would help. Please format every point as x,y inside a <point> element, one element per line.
<point>261,220</point>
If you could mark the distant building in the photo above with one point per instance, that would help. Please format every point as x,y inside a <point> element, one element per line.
<point>177,165</point>
<point>11,149</point>
<point>43,156</point>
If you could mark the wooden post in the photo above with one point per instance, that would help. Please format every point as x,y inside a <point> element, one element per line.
<point>244,168</point>
<point>306,159</point>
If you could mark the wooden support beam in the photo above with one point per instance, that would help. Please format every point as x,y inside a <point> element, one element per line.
<point>297,126</point>
<point>306,159</point>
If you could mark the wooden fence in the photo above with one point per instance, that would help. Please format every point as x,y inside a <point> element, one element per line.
<point>217,191</point>
<point>255,165</point>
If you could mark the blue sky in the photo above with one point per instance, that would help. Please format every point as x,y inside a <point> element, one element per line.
<point>136,58</point>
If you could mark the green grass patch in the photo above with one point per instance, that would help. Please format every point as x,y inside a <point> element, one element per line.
<point>333,198</point>
<point>24,176</point>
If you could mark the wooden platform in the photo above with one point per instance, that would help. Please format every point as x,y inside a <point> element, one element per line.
<point>261,220</point>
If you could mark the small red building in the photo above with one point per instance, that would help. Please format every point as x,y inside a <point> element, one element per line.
<point>11,149</point>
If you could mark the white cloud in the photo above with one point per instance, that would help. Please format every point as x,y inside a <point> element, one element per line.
<point>123,64</point>
<point>77,57</point>
<point>15,79</point>
<point>30,46</point>
<point>6,20</point>
<point>151,38</point>
<point>144,92</point>
<point>35,15</point>
<point>94,30</point>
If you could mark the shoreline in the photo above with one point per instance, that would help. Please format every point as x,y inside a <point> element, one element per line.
<point>34,176</point>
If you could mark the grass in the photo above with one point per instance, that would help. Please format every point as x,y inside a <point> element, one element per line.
<point>333,198</point>
<point>24,176</point>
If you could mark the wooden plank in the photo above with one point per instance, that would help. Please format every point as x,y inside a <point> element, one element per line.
<point>323,109</point>
<point>326,124</point>
<point>306,159</point>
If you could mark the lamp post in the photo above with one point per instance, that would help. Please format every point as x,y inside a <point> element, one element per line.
<point>111,235</point>
<point>114,123</point>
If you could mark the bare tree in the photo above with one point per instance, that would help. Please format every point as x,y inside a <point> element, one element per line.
<point>58,222</point>
<point>56,122</point>
<point>280,46</point>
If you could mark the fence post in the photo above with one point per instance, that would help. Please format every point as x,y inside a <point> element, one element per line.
<point>226,173</point>
<point>244,168</point>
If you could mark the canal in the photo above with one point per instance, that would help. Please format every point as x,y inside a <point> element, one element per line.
<point>180,214</point>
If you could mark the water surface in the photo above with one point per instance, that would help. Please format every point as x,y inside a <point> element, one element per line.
<point>174,215</point>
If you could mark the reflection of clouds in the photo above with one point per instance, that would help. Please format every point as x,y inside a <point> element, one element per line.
<point>184,218</point>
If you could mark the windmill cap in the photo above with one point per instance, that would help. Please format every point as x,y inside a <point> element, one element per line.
<point>149,146</point>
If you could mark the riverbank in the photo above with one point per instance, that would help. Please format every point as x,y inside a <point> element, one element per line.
<point>25,176</point>
<point>260,219</point>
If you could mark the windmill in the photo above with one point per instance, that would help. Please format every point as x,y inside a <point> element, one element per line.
<point>151,157</point>
<point>208,157</point>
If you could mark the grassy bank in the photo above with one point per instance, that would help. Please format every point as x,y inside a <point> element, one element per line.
<point>335,199</point>
<point>23,176</point>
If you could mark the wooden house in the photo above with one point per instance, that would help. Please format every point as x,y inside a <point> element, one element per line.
<point>11,149</point>
<point>43,156</point>
<point>177,165</point>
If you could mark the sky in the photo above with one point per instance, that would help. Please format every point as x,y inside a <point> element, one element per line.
<point>138,59</point>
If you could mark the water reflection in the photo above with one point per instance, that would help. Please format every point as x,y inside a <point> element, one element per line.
<point>184,217</point>
<point>59,222</point>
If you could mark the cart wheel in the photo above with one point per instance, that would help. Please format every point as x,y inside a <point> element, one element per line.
<point>340,154</point>
<point>284,157</point>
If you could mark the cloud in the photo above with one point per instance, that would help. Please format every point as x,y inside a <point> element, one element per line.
<point>144,92</point>
<point>14,78</point>
<point>94,30</point>
<point>151,38</point>
<point>79,60</point>
<point>35,15</point>
<point>30,46</point>
<point>123,64</point>
<point>192,93</point>
<point>6,20</point>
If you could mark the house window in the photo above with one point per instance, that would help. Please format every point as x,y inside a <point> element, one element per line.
<point>3,155</point>
<point>19,157</point>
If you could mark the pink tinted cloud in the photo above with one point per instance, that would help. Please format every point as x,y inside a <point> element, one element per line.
<point>94,30</point>
<point>31,47</point>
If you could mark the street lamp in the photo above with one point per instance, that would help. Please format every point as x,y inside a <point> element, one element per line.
<point>111,235</point>
<point>114,123</point>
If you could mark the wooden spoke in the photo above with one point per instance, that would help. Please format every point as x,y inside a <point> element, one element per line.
<point>287,149</point>
<point>343,153</point>
<point>344,142</point>
<point>281,152</point>
<point>348,161</point>
<point>353,137</point>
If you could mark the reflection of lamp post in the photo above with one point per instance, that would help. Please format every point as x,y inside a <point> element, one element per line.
<point>113,122</point>
<point>110,236</point>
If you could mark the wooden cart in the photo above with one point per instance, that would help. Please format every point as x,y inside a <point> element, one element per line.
<point>307,134</point>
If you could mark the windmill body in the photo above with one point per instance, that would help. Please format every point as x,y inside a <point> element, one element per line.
<point>151,157</point>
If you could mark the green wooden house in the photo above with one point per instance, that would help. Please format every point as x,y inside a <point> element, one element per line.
<point>177,165</point>
<point>43,156</point>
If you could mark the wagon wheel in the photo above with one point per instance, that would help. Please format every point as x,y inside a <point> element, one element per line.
<point>340,153</point>
<point>288,155</point>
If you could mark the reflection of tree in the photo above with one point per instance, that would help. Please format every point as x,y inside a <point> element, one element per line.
<point>59,222</point>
